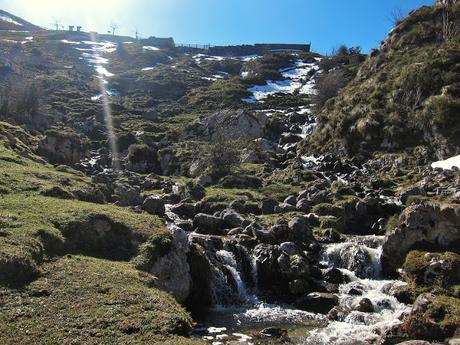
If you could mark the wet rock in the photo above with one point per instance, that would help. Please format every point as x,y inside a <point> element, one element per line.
<point>268,274</point>
<point>365,306</point>
<point>200,297</point>
<point>273,332</point>
<point>186,225</point>
<point>299,266</point>
<point>329,236</point>
<point>338,314</point>
<point>154,205</point>
<point>355,291</point>
<point>208,225</point>
<point>335,276</point>
<point>317,302</point>
<point>299,287</point>
<point>433,226</point>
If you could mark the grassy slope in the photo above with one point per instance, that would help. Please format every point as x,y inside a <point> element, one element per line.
<point>81,300</point>
<point>71,299</point>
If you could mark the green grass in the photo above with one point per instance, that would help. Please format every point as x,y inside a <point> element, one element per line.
<point>92,301</point>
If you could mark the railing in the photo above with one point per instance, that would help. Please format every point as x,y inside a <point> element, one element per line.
<point>194,46</point>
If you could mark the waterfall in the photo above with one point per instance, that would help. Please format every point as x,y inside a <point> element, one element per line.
<point>228,260</point>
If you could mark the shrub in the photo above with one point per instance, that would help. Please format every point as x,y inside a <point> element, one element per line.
<point>328,86</point>
<point>222,154</point>
<point>20,101</point>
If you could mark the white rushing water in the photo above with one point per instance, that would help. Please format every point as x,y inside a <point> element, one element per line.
<point>359,259</point>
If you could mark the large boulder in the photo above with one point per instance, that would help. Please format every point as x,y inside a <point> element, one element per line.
<point>236,124</point>
<point>433,318</point>
<point>429,269</point>
<point>232,219</point>
<point>126,194</point>
<point>208,225</point>
<point>184,210</point>
<point>63,146</point>
<point>167,260</point>
<point>426,227</point>
<point>300,232</point>
<point>154,205</point>
<point>142,159</point>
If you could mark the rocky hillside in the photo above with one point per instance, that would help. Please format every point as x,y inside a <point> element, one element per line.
<point>405,95</point>
<point>166,195</point>
<point>9,21</point>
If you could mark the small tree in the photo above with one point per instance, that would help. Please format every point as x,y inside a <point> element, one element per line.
<point>396,16</point>
<point>449,26</point>
<point>222,153</point>
<point>20,101</point>
<point>113,28</point>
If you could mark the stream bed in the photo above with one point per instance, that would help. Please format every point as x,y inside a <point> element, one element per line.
<point>358,258</point>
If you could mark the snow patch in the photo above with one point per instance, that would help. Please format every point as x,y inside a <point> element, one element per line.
<point>301,77</point>
<point>261,92</point>
<point>70,42</point>
<point>150,48</point>
<point>448,163</point>
<point>102,71</point>
<point>145,69</point>
<point>5,18</point>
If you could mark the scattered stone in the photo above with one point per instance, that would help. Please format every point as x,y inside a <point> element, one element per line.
<point>208,225</point>
<point>154,205</point>
<point>273,332</point>
<point>267,206</point>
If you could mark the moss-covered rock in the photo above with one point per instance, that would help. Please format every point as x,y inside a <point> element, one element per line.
<point>429,269</point>
<point>433,318</point>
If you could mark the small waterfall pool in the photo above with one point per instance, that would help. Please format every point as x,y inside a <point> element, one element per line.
<point>358,258</point>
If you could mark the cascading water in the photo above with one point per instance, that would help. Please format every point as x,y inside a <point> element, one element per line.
<point>359,260</point>
<point>237,309</point>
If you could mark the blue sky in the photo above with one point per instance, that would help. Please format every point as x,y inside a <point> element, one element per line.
<point>325,24</point>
